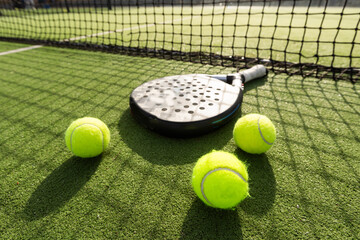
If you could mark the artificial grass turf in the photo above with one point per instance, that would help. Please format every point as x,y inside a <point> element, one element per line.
<point>305,187</point>
<point>5,46</point>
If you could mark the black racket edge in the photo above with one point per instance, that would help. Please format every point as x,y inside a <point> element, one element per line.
<point>188,129</point>
<point>184,129</point>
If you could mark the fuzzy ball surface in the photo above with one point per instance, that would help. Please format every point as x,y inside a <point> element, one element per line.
<point>254,133</point>
<point>220,180</point>
<point>87,137</point>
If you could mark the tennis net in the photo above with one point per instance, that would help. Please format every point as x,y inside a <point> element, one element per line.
<point>318,38</point>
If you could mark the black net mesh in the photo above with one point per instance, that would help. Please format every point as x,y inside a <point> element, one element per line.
<point>317,38</point>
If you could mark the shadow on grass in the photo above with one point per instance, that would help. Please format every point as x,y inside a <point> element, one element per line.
<point>164,150</point>
<point>203,222</point>
<point>262,183</point>
<point>60,186</point>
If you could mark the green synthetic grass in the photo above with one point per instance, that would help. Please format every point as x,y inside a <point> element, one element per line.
<point>5,46</point>
<point>228,31</point>
<point>305,187</point>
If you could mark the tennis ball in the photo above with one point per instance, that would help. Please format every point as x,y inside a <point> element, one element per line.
<point>220,180</point>
<point>87,137</point>
<point>254,133</point>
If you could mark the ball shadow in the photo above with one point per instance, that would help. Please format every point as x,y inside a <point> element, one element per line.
<point>203,222</point>
<point>162,150</point>
<point>262,183</point>
<point>60,186</point>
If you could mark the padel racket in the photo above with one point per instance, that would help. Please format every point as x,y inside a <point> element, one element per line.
<point>190,105</point>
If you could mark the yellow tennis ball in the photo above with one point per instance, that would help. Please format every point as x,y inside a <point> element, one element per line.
<point>254,133</point>
<point>220,180</point>
<point>87,137</point>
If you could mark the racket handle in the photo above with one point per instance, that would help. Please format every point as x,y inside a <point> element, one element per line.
<point>255,72</point>
<point>237,79</point>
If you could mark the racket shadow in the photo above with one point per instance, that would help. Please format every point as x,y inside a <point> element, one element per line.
<point>162,150</point>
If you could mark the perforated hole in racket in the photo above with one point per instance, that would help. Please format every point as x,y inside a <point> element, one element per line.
<point>185,98</point>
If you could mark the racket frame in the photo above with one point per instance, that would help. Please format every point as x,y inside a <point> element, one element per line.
<point>184,129</point>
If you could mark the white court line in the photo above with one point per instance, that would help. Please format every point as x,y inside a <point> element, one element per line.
<point>124,29</point>
<point>102,34</point>
<point>20,50</point>
<point>94,35</point>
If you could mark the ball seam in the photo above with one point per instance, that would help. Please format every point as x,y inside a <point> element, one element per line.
<point>212,171</point>
<point>71,136</point>
<point>262,136</point>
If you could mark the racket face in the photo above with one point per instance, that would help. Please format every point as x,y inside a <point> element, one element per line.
<point>185,104</point>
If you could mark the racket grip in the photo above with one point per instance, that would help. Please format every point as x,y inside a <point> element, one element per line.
<point>255,72</point>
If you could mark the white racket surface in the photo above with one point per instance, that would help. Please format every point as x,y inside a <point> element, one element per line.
<point>186,98</point>
<point>188,105</point>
